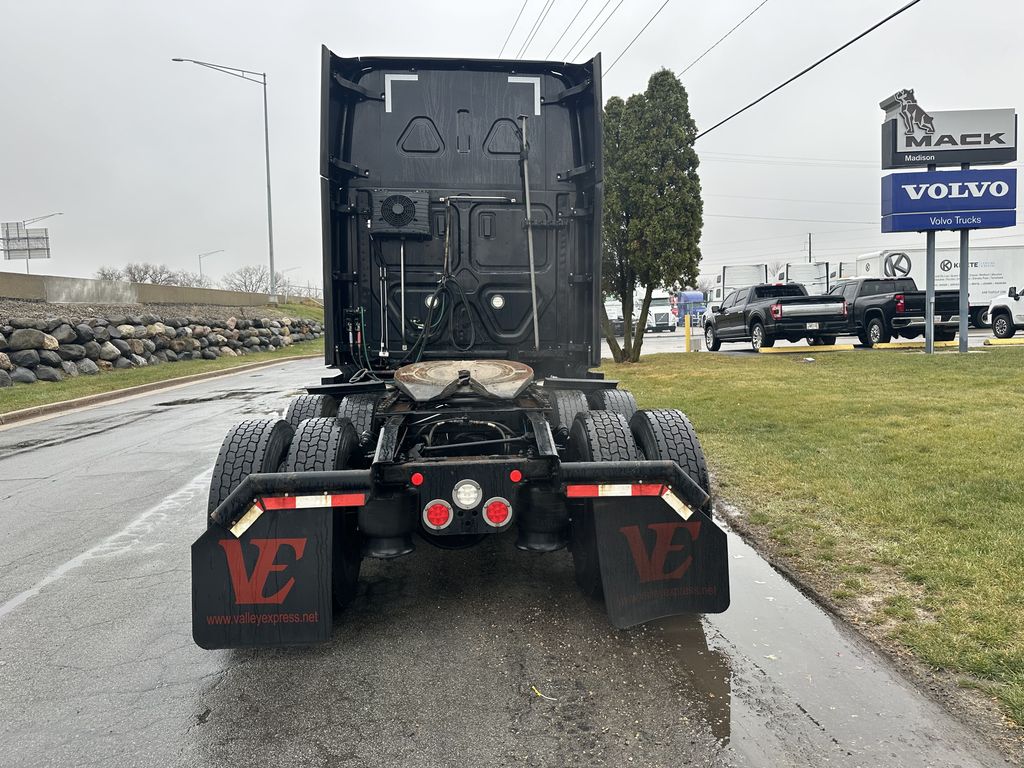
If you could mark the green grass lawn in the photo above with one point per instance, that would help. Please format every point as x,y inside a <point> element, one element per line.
<point>27,395</point>
<point>306,311</point>
<point>892,480</point>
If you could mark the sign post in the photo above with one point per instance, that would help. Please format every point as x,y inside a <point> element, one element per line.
<point>949,200</point>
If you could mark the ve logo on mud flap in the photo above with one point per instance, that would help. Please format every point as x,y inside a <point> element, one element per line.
<point>248,587</point>
<point>653,566</point>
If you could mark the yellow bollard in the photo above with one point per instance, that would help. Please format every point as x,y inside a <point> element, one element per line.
<point>686,330</point>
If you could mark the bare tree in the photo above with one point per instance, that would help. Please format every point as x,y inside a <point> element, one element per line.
<point>774,267</point>
<point>252,279</point>
<point>110,273</point>
<point>188,279</point>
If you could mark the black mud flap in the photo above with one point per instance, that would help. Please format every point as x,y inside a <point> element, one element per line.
<point>654,563</point>
<point>269,586</point>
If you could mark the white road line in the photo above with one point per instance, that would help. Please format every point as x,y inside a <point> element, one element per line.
<point>118,543</point>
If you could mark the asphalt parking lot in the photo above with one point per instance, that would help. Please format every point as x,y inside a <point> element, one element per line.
<point>674,342</point>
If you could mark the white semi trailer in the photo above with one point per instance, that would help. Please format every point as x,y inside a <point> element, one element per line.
<point>814,276</point>
<point>737,276</point>
<point>993,270</point>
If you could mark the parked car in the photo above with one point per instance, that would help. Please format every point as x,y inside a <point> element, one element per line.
<point>886,307</point>
<point>763,313</point>
<point>1006,313</point>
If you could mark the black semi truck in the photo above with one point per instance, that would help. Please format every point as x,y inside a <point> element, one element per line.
<point>461,204</point>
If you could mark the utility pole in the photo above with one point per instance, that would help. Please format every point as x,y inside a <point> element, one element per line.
<point>809,259</point>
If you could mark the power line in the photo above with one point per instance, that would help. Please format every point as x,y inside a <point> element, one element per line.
<point>774,218</point>
<point>638,35</point>
<point>586,29</point>
<point>596,31</point>
<point>514,23</point>
<point>709,50</point>
<point>802,234</point>
<point>792,199</point>
<point>536,25</point>
<point>804,71</point>
<point>567,28</point>
<point>536,28</point>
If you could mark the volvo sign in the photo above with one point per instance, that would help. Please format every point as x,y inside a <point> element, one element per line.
<point>913,136</point>
<point>973,199</point>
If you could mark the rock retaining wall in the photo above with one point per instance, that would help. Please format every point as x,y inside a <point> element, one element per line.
<point>56,348</point>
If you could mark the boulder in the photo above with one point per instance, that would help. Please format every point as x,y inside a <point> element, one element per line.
<point>122,362</point>
<point>87,367</point>
<point>5,379</point>
<point>150,319</point>
<point>140,331</point>
<point>209,354</point>
<point>204,342</point>
<point>153,360</point>
<point>121,346</point>
<point>161,355</point>
<point>64,334</point>
<point>277,341</point>
<point>177,346</point>
<point>170,356</point>
<point>116,319</point>
<point>50,323</point>
<point>105,365</point>
<point>5,363</point>
<point>231,324</point>
<point>101,333</point>
<point>113,331</point>
<point>149,345</point>
<point>3,341</point>
<point>109,352</point>
<point>71,351</point>
<point>92,350</point>
<point>136,346</point>
<point>69,368</point>
<point>185,356</point>
<point>31,338</point>
<point>52,359</point>
<point>155,329</point>
<point>22,322</point>
<point>26,358</point>
<point>138,361</point>
<point>46,373</point>
<point>84,333</point>
<point>126,331</point>
<point>134,320</point>
<point>23,376</point>
<point>227,352</point>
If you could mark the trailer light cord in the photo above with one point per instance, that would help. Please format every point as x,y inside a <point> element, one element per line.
<point>804,71</point>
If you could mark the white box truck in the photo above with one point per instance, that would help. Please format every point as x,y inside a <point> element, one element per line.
<point>993,270</point>
<point>737,276</point>
<point>814,276</point>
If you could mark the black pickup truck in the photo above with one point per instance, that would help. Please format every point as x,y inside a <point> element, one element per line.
<point>883,308</point>
<point>763,313</point>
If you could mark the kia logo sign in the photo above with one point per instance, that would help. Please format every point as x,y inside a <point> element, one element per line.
<point>897,265</point>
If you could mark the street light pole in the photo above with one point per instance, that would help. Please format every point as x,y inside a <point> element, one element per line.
<point>203,256</point>
<point>250,76</point>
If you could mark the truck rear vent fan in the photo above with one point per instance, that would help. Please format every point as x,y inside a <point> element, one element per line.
<point>401,214</point>
<point>398,210</point>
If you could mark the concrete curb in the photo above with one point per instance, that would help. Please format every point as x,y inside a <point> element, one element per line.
<point>1004,342</point>
<point>36,411</point>
<point>915,345</point>
<point>805,350</point>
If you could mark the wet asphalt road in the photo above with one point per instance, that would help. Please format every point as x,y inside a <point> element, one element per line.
<point>439,662</point>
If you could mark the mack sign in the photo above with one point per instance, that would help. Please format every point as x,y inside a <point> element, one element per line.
<point>937,200</point>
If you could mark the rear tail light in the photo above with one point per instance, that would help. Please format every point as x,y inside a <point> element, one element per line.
<point>776,311</point>
<point>437,515</point>
<point>901,303</point>
<point>497,512</point>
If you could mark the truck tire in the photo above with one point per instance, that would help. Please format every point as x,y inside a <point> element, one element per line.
<point>617,400</point>
<point>595,436</point>
<point>321,445</point>
<point>360,410</point>
<point>1002,325</point>
<point>666,434</point>
<point>565,405</point>
<point>711,340</point>
<point>979,317</point>
<point>309,407</point>
<point>256,445</point>
<point>876,332</point>
<point>759,338</point>
<point>827,341</point>
<point>941,335</point>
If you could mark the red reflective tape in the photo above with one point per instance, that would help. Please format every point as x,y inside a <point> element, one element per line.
<point>581,491</point>
<point>348,499</point>
<point>648,489</point>
<point>278,502</point>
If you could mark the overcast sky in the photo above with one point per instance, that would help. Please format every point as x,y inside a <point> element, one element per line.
<point>157,161</point>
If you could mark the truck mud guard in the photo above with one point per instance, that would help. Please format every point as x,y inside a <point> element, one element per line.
<point>660,553</point>
<point>261,574</point>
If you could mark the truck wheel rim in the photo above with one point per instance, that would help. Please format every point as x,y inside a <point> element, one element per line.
<point>1000,325</point>
<point>875,333</point>
<point>709,336</point>
<point>757,337</point>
